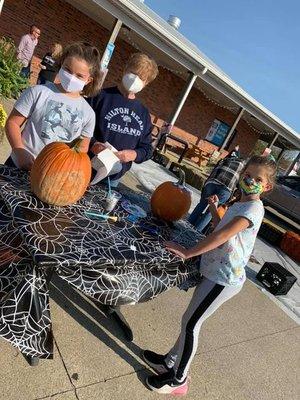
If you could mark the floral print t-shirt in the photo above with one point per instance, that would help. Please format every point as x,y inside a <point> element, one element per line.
<point>225,265</point>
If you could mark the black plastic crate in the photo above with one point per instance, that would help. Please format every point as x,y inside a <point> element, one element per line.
<point>276,279</point>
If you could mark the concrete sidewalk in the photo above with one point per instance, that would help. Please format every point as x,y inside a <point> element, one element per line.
<point>248,350</point>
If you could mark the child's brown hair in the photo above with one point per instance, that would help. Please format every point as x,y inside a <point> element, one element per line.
<point>267,161</point>
<point>91,56</point>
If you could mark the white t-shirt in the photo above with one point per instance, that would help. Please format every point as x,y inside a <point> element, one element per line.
<point>225,265</point>
<point>52,117</point>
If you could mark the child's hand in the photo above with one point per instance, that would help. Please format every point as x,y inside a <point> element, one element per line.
<point>98,147</point>
<point>24,160</point>
<point>177,249</point>
<point>213,202</point>
<point>213,199</point>
<point>126,155</point>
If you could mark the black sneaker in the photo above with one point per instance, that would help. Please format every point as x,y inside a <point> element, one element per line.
<point>156,361</point>
<point>167,384</point>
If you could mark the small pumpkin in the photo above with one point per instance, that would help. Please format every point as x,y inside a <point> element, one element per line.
<point>61,173</point>
<point>171,200</point>
<point>222,210</point>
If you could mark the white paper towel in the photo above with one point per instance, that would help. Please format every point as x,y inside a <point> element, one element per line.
<point>105,163</point>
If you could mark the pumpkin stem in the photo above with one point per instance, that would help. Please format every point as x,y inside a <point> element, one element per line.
<point>181,180</point>
<point>75,144</point>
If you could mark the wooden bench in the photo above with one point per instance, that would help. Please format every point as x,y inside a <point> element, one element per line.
<point>201,155</point>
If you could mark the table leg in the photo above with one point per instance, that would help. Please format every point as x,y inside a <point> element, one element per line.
<point>117,316</point>
<point>121,321</point>
<point>32,361</point>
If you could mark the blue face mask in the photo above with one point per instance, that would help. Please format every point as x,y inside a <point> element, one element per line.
<point>248,186</point>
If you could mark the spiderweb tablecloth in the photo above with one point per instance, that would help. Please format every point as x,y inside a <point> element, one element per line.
<point>24,296</point>
<point>115,263</point>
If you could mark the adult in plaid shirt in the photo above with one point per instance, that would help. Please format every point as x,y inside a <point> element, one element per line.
<point>221,182</point>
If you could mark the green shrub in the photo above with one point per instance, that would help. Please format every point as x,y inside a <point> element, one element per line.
<point>11,83</point>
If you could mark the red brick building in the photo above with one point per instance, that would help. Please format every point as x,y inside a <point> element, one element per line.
<point>61,22</point>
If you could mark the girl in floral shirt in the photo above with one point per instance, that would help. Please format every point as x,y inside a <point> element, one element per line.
<point>224,255</point>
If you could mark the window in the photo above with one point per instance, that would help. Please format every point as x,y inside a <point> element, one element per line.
<point>218,133</point>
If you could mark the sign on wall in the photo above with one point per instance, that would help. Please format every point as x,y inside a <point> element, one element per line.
<point>218,132</point>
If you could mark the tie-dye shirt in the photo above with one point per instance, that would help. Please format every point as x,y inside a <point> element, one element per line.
<point>226,264</point>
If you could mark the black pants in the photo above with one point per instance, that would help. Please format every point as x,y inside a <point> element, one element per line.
<point>207,298</point>
<point>25,71</point>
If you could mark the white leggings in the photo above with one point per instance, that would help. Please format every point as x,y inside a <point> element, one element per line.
<point>207,298</point>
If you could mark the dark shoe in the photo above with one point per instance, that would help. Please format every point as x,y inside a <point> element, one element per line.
<point>156,361</point>
<point>167,384</point>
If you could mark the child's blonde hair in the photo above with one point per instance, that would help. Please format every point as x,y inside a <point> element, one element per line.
<point>56,50</point>
<point>90,54</point>
<point>144,66</point>
<point>267,162</point>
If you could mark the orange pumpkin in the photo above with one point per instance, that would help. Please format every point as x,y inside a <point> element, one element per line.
<point>290,244</point>
<point>171,201</point>
<point>61,173</point>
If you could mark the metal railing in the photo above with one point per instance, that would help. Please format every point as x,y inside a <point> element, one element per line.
<point>162,142</point>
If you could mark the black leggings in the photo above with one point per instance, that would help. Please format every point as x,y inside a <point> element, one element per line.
<point>207,298</point>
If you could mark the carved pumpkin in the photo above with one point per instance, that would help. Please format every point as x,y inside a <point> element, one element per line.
<point>61,173</point>
<point>290,244</point>
<point>171,201</point>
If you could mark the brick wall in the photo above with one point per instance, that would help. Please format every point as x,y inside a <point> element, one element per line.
<point>60,22</point>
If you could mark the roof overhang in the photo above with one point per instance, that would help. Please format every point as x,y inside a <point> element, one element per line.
<point>177,50</point>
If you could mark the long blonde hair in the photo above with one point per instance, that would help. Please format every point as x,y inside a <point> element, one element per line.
<point>56,50</point>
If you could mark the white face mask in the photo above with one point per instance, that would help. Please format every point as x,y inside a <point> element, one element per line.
<point>70,82</point>
<point>132,83</point>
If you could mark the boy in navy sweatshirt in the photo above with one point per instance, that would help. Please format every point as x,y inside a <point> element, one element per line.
<point>121,119</point>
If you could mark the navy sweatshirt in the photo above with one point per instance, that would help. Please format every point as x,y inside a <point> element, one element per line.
<point>124,123</point>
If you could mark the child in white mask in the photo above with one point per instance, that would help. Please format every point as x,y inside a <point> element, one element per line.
<point>132,83</point>
<point>121,119</point>
<point>56,111</point>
